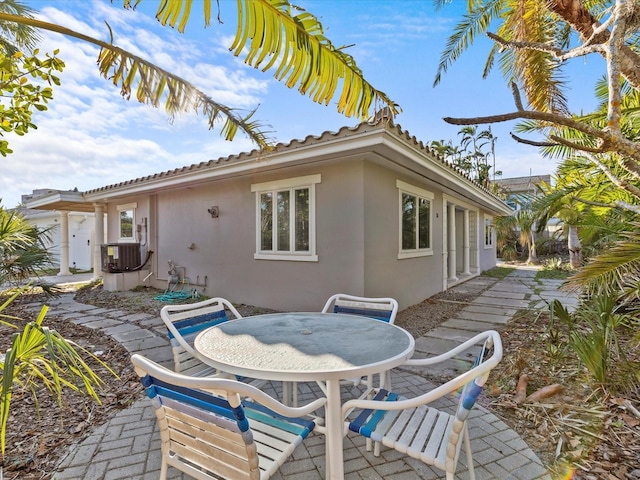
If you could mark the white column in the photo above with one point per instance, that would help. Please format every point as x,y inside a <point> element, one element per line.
<point>466,268</point>
<point>64,244</point>
<point>451,226</point>
<point>98,238</point>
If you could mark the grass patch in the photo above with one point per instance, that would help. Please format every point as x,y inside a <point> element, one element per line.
<point>49,272</point>
<point>552,274</point>
<point>498,272</point>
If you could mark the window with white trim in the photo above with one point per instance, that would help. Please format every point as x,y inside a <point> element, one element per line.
<point>285,219</point>
<point>416,207</point>
<point>126,221</point>
<point>488,232</point>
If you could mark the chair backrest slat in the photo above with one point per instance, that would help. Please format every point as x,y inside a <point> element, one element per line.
<point>208,432</point>
<point>199,421</point>
<point>197,323</point>
<point>184,323</point>
<point>297,426</point>
<point>384,309</point>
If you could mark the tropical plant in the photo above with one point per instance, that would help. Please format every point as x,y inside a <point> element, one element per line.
<point>533,39</point>
<point>555,203</point>
<point>39,356</point>
<point>23,248</point>
<point>604,197</point>
<point>523,223</point>
<point>269,36</point>
<point>593,334</point>
<point>525,220</point>
<point>23,96</point>
<point>15,37</point>
<point>470,156</point>
<point>616,270</point>
<point>506,239</point>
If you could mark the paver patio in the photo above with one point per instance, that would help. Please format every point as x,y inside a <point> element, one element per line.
<point>127,447</point>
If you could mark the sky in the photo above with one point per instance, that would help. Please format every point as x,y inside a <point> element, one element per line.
<point>91,136</point>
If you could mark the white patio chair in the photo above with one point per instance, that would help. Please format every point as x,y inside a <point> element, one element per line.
<point>423,432</point>
<point>380,308</point>
<point>184,322</point>
<point>209,430</point>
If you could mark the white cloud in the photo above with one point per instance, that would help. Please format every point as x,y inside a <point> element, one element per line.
<point>90,136</point>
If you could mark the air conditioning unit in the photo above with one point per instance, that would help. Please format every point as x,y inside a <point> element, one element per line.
<point>120,257</point>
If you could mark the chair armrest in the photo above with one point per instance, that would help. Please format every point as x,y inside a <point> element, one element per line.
<point>451,386</point>
<point>405,403</point>
<point>258,396</point>
<point>481,337</point>
<point>223,386</point>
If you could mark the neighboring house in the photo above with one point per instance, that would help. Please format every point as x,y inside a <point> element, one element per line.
<point>520,191</point>
<point>73,250</point>
<point>367,211</point>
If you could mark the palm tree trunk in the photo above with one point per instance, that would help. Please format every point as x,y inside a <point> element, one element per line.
<point>533,257</point>
<point>575,247</point>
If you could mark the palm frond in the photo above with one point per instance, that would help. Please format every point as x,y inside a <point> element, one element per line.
<point>152,84</point>
<point>170,11</point>
<point>475,22</point>
<point>295,46</point>
<point>538,72</point>
<point>16,37</point>
<point>611,267</point>
<point>40,356</point>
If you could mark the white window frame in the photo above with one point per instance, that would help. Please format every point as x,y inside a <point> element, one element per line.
<point>124,208</point>
<point>290,184</point>
<point>419,193</point>
<point>488,232</point>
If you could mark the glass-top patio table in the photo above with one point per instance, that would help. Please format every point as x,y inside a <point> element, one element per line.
<point>308,347</point>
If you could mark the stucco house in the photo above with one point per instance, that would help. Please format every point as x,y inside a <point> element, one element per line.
<point>71,234</point>
<point>368,210</point>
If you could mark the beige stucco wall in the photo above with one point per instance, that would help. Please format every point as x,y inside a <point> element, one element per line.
<point>357,235</point>
<point>408,280</point>
<point>222,249</point>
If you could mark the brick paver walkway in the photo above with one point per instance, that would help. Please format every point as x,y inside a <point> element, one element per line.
<point>127,447</point>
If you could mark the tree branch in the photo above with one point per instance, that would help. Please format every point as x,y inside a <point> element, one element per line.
<point>558,53</point>
<point>609,140</point>
<point>615,43</point>
<point>590,30</point>
<point>533,143</point>
<point>530,115</point>
<point>628,206</point>
<point>516,96</point>
<point>576,146</point>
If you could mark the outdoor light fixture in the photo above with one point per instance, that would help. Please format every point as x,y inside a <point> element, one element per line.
<point>214,211</point>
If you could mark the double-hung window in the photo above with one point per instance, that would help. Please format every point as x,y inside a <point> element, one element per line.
<point>285,219</point>
<point>488,232</point>
<point>126,219</point>
<point>416,207</point>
